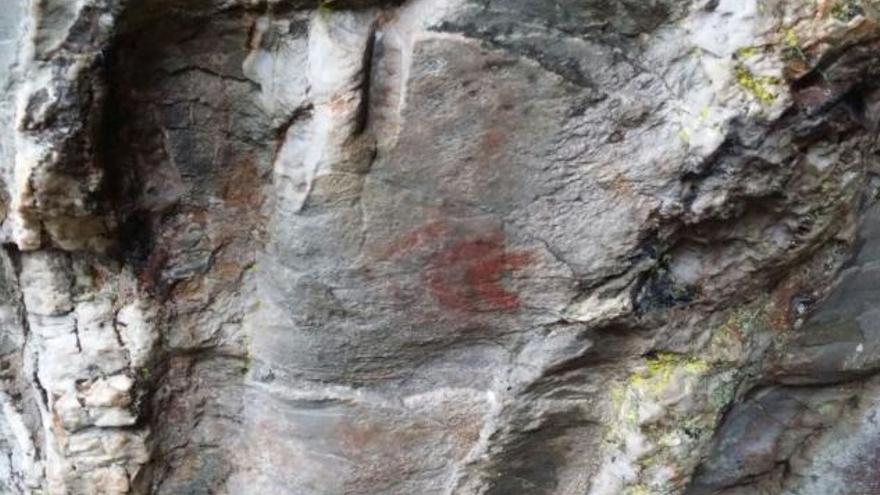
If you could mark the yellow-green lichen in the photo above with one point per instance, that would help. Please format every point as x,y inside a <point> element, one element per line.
<point>663,364</point>
<point>628,414</point>
<point>757,86</point>
<point>684,135</point>
<point>647,408</point>
<point>704,113</point>
<point>658,373</point>
<point>746,320</point>
<point>638,490</point>
<point>791,45</point>
<point>746,52</point>
<point>790,38</point>
<point>730,339</point>
<point>847,10</point>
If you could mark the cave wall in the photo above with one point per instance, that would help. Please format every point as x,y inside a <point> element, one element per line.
<point>439,246</point>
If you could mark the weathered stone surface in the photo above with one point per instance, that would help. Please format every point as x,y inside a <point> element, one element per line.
<point>439,247</point>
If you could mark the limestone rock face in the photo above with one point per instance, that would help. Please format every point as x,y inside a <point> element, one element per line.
<point>457,247</point>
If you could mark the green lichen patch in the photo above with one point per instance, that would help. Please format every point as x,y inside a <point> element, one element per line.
<point>733,337</point>
<point>661,376</point>
<point>790,38</point>
<point>791,47</point>
<point>669,407</point>
<point>662,364</point>
<point>747,52</point>
<point>847,10</point>
<point>638,490</point>
<point>652,412</point>
<point>761,87</point>
<point>747,320</point>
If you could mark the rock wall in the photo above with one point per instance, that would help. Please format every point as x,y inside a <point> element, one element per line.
<point>494,247</point>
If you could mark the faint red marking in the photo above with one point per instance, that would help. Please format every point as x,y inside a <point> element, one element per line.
<point>468,275</point>
<point>493,139</point>
<point>429,232</point>
<point>462,271</point>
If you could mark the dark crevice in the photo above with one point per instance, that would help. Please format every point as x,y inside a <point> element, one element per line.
<point>15,255</point>
<point>44,396</point>
<point>363,112</point>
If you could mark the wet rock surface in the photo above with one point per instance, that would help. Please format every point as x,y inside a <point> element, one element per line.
<point>439,247</point>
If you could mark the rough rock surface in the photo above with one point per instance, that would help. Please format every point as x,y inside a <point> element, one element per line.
<point>460,247</point>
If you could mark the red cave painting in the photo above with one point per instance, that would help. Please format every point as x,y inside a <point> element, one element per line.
<point>468,275</point>
<point>465,272</point>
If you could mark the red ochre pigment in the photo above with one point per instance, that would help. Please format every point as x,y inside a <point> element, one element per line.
<point>466,274</point>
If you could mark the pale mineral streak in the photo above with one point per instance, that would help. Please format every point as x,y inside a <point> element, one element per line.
<point>452,247</point>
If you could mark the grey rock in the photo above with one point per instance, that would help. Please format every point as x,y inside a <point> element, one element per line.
<point>439,247</point>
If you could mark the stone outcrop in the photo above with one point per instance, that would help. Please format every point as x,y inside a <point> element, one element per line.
<point>603,247</point>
